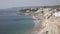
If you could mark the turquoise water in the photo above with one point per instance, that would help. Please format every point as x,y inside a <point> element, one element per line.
<point>15,24</point>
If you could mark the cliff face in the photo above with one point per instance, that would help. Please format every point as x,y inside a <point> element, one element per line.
<point>48,22</point>
<point>52,25</point>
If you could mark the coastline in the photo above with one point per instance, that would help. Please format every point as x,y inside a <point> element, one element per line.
<point>35,20</point>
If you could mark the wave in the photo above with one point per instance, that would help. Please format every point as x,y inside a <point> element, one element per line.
<point>35,20</point>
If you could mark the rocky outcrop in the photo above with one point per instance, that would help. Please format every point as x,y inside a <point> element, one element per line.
<point>48,22</point>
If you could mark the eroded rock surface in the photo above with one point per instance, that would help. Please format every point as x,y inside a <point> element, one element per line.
<point>48,22</point>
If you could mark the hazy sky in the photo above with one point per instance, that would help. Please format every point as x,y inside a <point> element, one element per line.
<point>21,3</point>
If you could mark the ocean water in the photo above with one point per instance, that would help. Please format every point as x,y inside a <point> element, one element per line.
<point>12,23</point>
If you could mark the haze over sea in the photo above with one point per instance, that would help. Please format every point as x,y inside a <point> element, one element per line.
<point>11,23</point>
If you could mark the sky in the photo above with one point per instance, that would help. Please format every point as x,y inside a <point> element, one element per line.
<point>21,3</point>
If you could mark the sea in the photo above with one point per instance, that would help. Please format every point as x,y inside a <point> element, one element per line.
<point>12,23</point>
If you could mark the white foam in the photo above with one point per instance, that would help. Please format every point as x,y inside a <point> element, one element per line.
<point>36,21</point>
<point>33,17</point>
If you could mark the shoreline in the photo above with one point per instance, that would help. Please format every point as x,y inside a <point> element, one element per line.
<point>36,21</point>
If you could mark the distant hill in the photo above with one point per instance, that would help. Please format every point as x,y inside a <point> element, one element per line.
<point>54,6</point>
<point>14,9</point>
<point>27,7</point>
